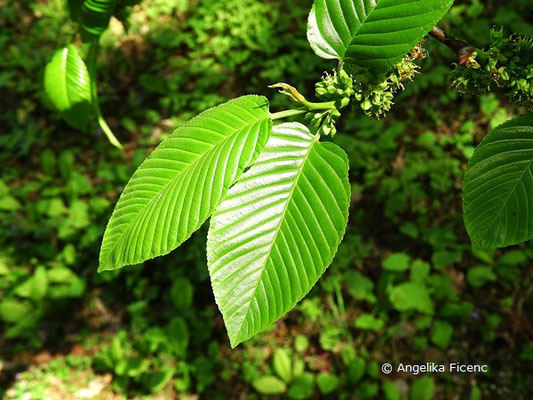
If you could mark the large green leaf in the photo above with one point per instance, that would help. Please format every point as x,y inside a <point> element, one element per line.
<point>67,84</point>
<point>277,229</point>
<point>179,185</point>
<point>94,17</point>
<point>498,186</point>
<point>375,34</point>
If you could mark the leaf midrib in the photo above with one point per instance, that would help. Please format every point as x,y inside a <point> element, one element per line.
<point>362,23</point>
<point>64,70</point>
<point>378,2</point>
<point>158,194</point>
<point>278,229</point>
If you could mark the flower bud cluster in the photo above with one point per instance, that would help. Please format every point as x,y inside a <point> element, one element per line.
<point>323,122</point>
<point>374,97</point>
<point>507,66</point>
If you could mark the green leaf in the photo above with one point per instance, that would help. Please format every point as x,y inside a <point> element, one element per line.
<point>178,334</point>
<point>366,390</point>
<point>409,296</point>
<point>66,164</point>
<point>301,343</point>
<point>39,284</point>
<point>498,186</point>
<point>475,393</point>
<point>368,321</point>
<point>94,17</point>
<point>156,381</point>
<point>298,367</point>
<point>327,382</point>
<point>61,275</point>
<point>375,34</point>
<point>480,275</point>
<point>181,293</point>
<point>359,286</point>
<point>513,257</point>
<point>131,366</point>
<point>9,203</point>
<point>442,259</point>
<point>422,389</point>
<point>67,84</point>
<point>277,230</point>
<point>13,311</point>
<point>442,334</point>
<point>179,185</point>
<point>419,270</point>
<point>302,387</point>
<point>116,351</point>
<point>390,391</point>
<point>268,384</point>
<point>397,262</point>
<point>282,365</point>
<point>356,370</point>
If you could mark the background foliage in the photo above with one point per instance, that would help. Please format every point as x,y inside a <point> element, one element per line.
<point>405,285</point>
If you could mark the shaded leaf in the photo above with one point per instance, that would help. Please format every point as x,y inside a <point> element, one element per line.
<point>397,262</point>
<point>498,186</point>
<point>327,382</point>
<point>67,84</point>
<point>181,293</point>
<point>94,17</point>
<point>302,387</point>
<point>422,389</point>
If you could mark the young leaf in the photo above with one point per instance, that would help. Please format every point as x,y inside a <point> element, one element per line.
<point>498,186</point>
<point>277,230</point>
<point>268,384</point>
<point>375,34</point>
<point>179,185</point>
<point>282,365</point>
<point>67,84</point>
<point>94,17</point>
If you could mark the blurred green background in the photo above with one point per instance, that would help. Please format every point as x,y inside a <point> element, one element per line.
<point>405,285</point>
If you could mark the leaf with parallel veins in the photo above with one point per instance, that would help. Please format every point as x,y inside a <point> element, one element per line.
<point>374,34</point>
<point>277,230</point>
<point>498,186</point>
<point>179,185</point>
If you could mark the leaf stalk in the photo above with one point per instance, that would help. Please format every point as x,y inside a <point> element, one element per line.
<point>93,52</point>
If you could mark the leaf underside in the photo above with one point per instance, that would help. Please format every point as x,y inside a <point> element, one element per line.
<point>67,84</point>
<point>374,34</point>
<point>277,229</point>
<point>179,185</point>
<point>94,17</point>
<point>498,186</point>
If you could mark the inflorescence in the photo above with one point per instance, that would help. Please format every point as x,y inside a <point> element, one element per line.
<point>373,96</point>
<point>506,66</point>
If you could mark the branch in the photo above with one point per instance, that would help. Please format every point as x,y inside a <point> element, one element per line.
<point>462,48</point>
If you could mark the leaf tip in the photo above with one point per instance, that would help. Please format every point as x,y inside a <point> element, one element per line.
<point>234,341</point>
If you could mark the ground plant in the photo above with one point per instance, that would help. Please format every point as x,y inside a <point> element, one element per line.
<point>278,196</point>
<point>293,199</point>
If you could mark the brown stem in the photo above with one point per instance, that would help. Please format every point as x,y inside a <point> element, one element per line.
<point>462,48</point>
